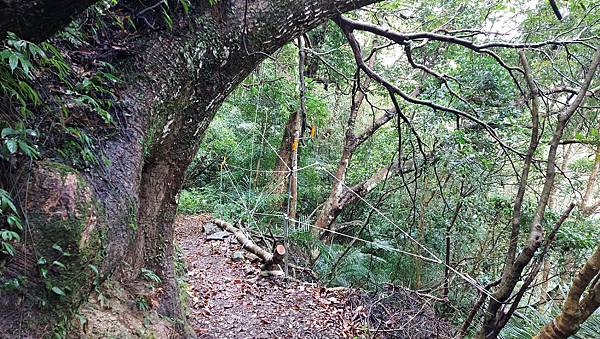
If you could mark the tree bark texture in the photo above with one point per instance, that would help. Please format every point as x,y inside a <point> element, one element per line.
<point>38,20</point>
<point>284,155</point>
<point>577,307</point>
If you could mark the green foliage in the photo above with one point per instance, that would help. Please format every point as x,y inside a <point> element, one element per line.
<point>9,216</point>
<point>79,149</point>
<point>197,200</point>
<point>167,18</point>
<point>22,65</point>
<point>186,5</point>
<point>142,303</point>
<point>150,276</point>
<point>531,320</point>
<point>458,164</point>
<point>18,140</point>
<point>56,266</point>
<point>17,65</point>
<point>358,268</point>
<point>579,235</point>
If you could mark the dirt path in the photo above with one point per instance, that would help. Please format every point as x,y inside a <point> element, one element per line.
<point>230,300</point>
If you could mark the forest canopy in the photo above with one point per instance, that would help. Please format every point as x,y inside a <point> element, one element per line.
<point>450,148</point>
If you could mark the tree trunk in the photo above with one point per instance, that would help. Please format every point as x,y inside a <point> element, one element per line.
<point>284,155</point>
<point>587,206</point>
<point>174,81</point>
<point>493,321</point>
<point>340,194</point>
<point>577,307</point>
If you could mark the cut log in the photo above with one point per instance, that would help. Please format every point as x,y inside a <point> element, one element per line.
<point>278,254</point>
<point>270,260</point>
<point>272,267</point>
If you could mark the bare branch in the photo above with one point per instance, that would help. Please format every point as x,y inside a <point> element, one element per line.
<point>396,90</point>
<point>555,9</point>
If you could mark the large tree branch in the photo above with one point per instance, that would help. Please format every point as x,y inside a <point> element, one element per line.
<point>555,9</point>
<point>404,38</point>
<point>533,143</point>
<point>516,299</point>
<point>38,20</point>
<point>354,45</point>
<point>576,310</point>
<point>378,123</point>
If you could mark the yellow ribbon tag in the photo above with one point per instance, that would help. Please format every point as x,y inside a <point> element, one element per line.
<point>295,145</point>
<point>313,131</point>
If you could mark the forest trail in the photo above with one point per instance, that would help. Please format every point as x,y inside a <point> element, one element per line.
<point>229,299</point>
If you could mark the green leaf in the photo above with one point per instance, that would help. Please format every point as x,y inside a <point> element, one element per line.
<point>7,201</point>
<point>29,92</point>
<point>59,264</point>
<point>35,50</point>
<point>186,5</point>
<point>11,145</point>
<point>8,131</point>
<point>167,18</point>
<point>13,220</point>
<point>58,291</point>
<point>27,149</point>
<point>25,64</point>
<point>9,235</point>
<point>94,269</point>
<point>8,249</point>
<point>13,61</point>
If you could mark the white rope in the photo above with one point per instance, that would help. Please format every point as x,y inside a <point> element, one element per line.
<point>242,200</point>
<point>435,259</point>
<point>384,247</point>
<point>260,89</point>
<point>272,171</point>
<point>320,166</point>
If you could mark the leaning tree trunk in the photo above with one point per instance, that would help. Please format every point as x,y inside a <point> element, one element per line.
<point>583,299</point>
<point>495,318</point>
<point>175,79</point>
